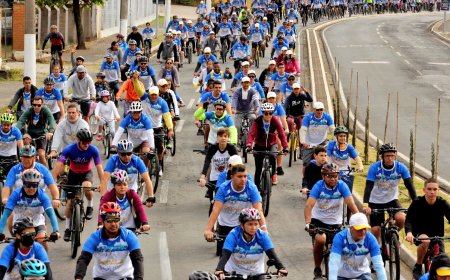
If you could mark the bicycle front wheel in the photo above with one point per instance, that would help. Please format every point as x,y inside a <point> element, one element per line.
<point>174,145</point>
<point>154,168</point>
<point>266,190</point>
<point>394,257</point>
<point>108,145</point>
<point>93,124</point>
<point>291,148</point>
<point>244,145</point>
<point>76,229</point>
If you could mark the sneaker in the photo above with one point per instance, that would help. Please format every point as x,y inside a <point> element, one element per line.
<point>317,273</point>
<point>280,171</point>
<point>169,145</point>
<point>417,271</point>
<point>181,104</point>
<point>99,137</point>
<point>89,212</point>
<point>67,233</point>
<point>200,132</point>
<point>274,180</point>
<point>160,173</point>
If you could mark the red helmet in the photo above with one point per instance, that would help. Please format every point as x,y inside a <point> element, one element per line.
<point>110,208</point>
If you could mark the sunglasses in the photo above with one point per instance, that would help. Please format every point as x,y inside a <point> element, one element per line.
<point>112,220</point>
<point>268,113</point>
<point>219,109</point>
<point>252,77</point>
<point>169,62</point>
<point>136,113</point>
<point>31,185</point>
<point>291,79</point>
<point>36,105</point>
<point>319,109</point>
<point>85,142</point>
<point>143,63</point>
<point>32,234</point>
<point>125,154</point>
<point>332,176</point>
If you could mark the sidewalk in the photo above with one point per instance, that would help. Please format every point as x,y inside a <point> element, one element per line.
<point>438,28</point>
<point>93,55</point>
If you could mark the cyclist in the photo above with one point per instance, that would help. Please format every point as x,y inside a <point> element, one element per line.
<point>191,35</point>
<point>225,32</point>
<point>201,9</point>
<point>167,49</point>
<point>216,94</point>
<point>57,43</point>
<point>23,250</point>
<point>106,114</point>
<point>226,174</point>
<point>217,75</point>
<point>203,60</point>
<point>237,29</point>
<point>130,86</point>
<point>76,61</point>
<point>122,44</point>
<point>425,218</point>
<point>133,165</point>
<point>136,36</point>
<point>33,269</point>
<point>254,84</point>
<point>351,249</point>
<point>278,78</point>
<point>60,78</point>
<point>111,69</point>
<point>294,106</point>
<point>23,97</point>
<point>172,23</point>
<point>285,89</point>
<point>31,201</point>
<point>116,249</point>
<point>240,52</point>
<point>66,130</point>
<point>245,103</point>
<point>382,187</point>
<point>83,90</point>
<point>231,197</point>
<point>264,77</point>
<point>27,161</point>
<point>257,37</point>
<point>148,33</point>
<point>52,98</point>
<point>291,64</point>
<point>169,96</point>
<point>116,52</point>
<point>129,56</point>
<point>40,125</point>
<point>244,248</point>
<point>263,134</point>
<point>279,45</point>
<point>147,74</point>
<point>313,171</point>
<point>10,141</point>
<point>80,155</point>
<point>245,69</point>
<point>128,200</point>
<point>439,268</point>
<point>313,132</point>
<point>324,209</point>
<point>100,85</point>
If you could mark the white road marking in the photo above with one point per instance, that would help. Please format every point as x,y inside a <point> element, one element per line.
<point>407,62</point>
<point>164,191</point>
<point>378,32</point>
<point>418,72</point>
<point>391,47</point>
<point>440,63</point>
<point>381,37</point>
<point>384,41</point>
<point>399,54</point>
<point>438,88</point>
<point>370,62</point>
<point>166,271</point>
<point>191,103</point>
<point>324,78</point>
<point>179,126</point>
<point>311,67</point>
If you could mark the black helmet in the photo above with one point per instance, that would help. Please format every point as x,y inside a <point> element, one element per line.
<point>388,147</point>
<point>49,80</point>
<point>143,59</point>
<point>21,224</point>
<point>243,38</point>
<point>84,134</point>
<point>340,129</point>
<point>280,36</point>
<point>201,275</point>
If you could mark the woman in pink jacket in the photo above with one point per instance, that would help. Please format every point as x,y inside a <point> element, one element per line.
<point>291,65</point>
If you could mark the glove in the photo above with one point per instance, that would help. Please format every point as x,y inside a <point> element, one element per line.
<point>150,200</point>
<point>54,236</point>
<point>2,237</point>
<point>285,151</point>
<point>249,149</point>
<point>205,105</point>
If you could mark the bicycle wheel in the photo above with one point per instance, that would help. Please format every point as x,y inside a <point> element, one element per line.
<point>76,229</point>
<point>257,57</point>
<point>93,124</point>
<point>266,190</point>
<point>189,53</point>
<point>174,145</point>
<point>394,257</point>
<point>291,148</point>
<point>223,53</point>
<point>325,269</point>
<point>48,149</point>
<point>141,187</point>
<point>244,145</point>
<point>108,145</point>
<point>61,211</point>
<point>296,146</point>
<point>154,174</point>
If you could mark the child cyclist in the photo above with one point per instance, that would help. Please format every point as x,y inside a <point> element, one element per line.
<point>106,112</point>
<point>100,85</point>
<point>244,248</point>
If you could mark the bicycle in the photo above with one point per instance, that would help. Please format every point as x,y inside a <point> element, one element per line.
<point>294,142</point>
<point>433,249</point>
<point>62,180</point>
<point>266,179</point>
<point>148,47</point>
<point>330,233</point>
<point>54,59</point>
<point>107,137</point>
<point>4,164</point>
<point>245,129</point>
<point>224,51</point>
<point>390,247</point>
<point>257,54</point>
<point>264,275</point>
<point>173,147</point>
<point>189,52</point>
<point>153,168</point>
<point>78,214</point>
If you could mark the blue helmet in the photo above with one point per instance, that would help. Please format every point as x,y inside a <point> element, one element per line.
<point>125,146</point>
<point>27,151</point>
<point>33,267</point>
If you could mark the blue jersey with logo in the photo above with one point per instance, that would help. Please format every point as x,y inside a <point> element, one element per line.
<point>134,167</point>
<point>317,128</point>
<point>155,110</point>
<point>14,178</point>
<point>80,160</point>
<point>137,130</point>
<point>51,98</point>
<point>329,202</point>
<point>8,142</point>
<point>60,81</point>
<point>341,157</point>
<point>278,80</point>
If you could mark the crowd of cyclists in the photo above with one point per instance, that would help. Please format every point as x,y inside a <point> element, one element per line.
<point>50,136</point>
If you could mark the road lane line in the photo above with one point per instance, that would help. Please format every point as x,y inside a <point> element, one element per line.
<point>164,191</point>
<point>381,37</point>
<point>391,47</point>
<point>378,32</point>
<point>440,63</point>
<point>311,67</point>
<point>418,72</point>
<point>166,271</point>
<point>438,88</point>
<point>370,62</point>
<point>407,62</point>
<point>384,41</point>
<point>179,126</point>
<point>324,78</point>
<point>191,103</point>
<point>398,53</point>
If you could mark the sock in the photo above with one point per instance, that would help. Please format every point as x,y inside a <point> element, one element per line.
<point>68,223</point>
<point>90,203</point>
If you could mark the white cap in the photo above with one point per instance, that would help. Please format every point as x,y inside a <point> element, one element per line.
<point>233,13</point>
<point>289,52</point>
<point>251,72</point>
<point>162,82</point>
<point>233,160</point>
<point>207,50</point>
<point>154,90</point>
<point>180,22</point>
<point>295,85</point>
<point>264,18</point>
<point>201,2</point>
<point>271,94</point>
<point>179,32</point>
<point>245,79</point>
<point>256,25</point>
<point>359,221</point>
<point>272,62</point>
<point>245,63</point>
<point>318,105</point>
<point>284,49</point>
<point>189,21</point>
<point>291,20</point>
<point>212,32</point>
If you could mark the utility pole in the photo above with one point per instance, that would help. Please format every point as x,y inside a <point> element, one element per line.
<point>123,17</point>
<point>167,14</point>
<point>30,41</point>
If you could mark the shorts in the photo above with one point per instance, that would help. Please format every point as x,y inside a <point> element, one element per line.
<point>254,44</point>
<point>292,45</point>
<point>144,144</point>
<point>377,219</point>
<point>307,155</point>
<point>40,229</point>
<point>158,139</point>
<point>40,143</point>
<point>85,108</point>
<point>76,179</point>
<point>237,64</point>
<point>320,224</point>
<point>56,116</point>
<point>57,49</point>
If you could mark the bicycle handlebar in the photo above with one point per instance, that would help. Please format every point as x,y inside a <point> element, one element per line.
<point>390,210</point>
<point>268,153</point>
<point>433,238</point>
<point>76,187</point>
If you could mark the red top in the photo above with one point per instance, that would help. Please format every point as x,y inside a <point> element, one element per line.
<point>260,138</point>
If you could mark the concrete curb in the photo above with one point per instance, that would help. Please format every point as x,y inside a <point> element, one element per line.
<point>435,28</point>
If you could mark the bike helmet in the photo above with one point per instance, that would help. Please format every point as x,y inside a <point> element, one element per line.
<point>249,214</point>
<point>110,208</point>
<point>101,75</point>
<point>201,275</point>
<point>131,73</point>
<point>328,168</point>
<point>125,146</point>
<point>143,59</point>
<point>340,129</point>
<point>388,147</point>
<point>7,117</point>
<point>31,176</point>
<point>220,102</point>
<point>135,106</point>
<point>280,36</point>
<point>84,134</point>
<point>49,80</point>
<point>21,224</point>
<point>267,107</point>
<point>27,151</point>
<point>104,93</point>
<point>33,267</point>
<point>119,176</point>
<point>243,38</point>
<point>132,42</point>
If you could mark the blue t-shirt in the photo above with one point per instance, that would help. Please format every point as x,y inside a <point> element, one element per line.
<point>209,97</point>
<point>426,276</point>
<point>37,251</point>
<point>59,81</point>
<point>317,128</point>
<point>112,255</point>
<point>386,181</point>
<point>14,178</point>
<point>341,157</point>
<point>278,80</point>
<point>133,168</point>
<point>8,142</point>
<point>80,161</point>
<point>51,99</point>
<point>247,257</point>
<point>137,130</point>
<point>222,178</point>
<point>155,110</point>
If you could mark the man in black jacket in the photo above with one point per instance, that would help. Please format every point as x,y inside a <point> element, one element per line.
<point>23,97</point>
<point>137,36</point>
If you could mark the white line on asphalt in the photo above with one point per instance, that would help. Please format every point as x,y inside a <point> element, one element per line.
<point>418,72</point>
<point>179,126</point>
<point>311,67</point>
<point>166,271</point>
<point>324,77</point>
<point>391,47</point>
<point>440,63</point>
<point>164,191</point>
<point>399,54</point>
<point>191,103</point>
<point>378,32</point>
<point>370,62</point>
<point>407,62</point>
<point>385,41</point>
<point>438,88</point>
<point>381,37</point>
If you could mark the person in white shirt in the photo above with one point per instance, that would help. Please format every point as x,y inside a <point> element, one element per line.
<point>106,113</point>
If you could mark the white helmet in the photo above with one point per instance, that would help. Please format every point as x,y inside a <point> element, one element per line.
<point>267,107</point>
<point>135,106</point>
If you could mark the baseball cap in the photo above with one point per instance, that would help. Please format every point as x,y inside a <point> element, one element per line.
<point>359,221</point>
<point>245,63</point>
<point>79,58</point>
<point>207,50</point>
<point>162,82</point>
<point>256,25</point>
<point>291,20</point>
<point>234,160</point>
<point>189,21</point>
<point>284,49</point>
<point>212,32</point>
<point>318,105</point>
<point>443,271</point>
<point>272,62</point>
<point>108,55</point>
<point>154,90</point>
<point>271,94</point>
<point>245,79</point>
<point>81,68</point>
<point>296,85</point>
<point>264,18</point>
<point>251,72</point>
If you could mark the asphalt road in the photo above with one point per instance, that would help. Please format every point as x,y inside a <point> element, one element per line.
<point>398,54</point>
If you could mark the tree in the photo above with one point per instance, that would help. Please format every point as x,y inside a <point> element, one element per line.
<point>77,8</point>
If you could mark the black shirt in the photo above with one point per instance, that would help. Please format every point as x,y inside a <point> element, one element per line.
<point>313,173</point>
<point>295,105</point>
<point>423,218</point>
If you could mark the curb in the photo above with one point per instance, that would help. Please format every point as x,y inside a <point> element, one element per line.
<point>434,31</point>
